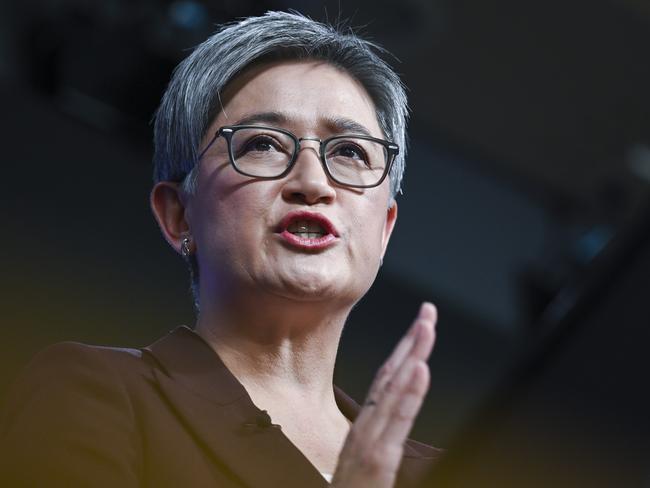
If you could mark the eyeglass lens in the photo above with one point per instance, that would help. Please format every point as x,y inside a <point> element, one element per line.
<point>267,153</point>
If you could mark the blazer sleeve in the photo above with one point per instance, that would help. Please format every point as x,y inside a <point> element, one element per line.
<point>68,421</point>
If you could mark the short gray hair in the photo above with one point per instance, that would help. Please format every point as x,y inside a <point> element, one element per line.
<point>192,99</point>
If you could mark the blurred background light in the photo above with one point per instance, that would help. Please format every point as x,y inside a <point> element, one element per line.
<point>188,14</point>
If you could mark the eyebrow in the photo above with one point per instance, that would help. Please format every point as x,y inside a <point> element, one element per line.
<point>337,125</point>
<point>345,125</point>
<point>263,117</point>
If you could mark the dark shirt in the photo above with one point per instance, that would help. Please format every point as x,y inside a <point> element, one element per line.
<point>169,415</point>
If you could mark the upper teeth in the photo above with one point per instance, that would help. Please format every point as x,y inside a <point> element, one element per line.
<point>308,228</point>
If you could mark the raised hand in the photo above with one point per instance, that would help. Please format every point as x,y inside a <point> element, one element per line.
<point>373,449</point>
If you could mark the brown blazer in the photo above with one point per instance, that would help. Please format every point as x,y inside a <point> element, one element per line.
<point>168,415</point>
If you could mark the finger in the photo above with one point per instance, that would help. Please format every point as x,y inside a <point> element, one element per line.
<point>419,338</point>
<point>377,451</point>
<point>401,392</point>
<point>401,375</point>
<point>374,418</point>
<point>427,313</point>
<point>370,422</point>
<point>426,336</point>
<point>404,405</point>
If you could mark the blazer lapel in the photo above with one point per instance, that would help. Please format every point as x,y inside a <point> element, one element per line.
<point>216,408</point>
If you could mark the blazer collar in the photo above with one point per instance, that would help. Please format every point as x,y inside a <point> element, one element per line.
<point>216,407</point>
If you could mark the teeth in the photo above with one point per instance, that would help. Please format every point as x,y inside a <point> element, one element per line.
<point>306,229</point>
<point>308,235</point>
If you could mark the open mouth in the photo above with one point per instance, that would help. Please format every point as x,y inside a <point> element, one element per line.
<point>307,230</point>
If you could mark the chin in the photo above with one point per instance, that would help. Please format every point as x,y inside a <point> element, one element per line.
<point>335,288</point>
<point>304,288</point>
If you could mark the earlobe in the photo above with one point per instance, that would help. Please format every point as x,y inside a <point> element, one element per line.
<point>168,207</point>
<point>391,218</point>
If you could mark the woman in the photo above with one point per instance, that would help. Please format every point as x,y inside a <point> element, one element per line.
<point>279,151</point>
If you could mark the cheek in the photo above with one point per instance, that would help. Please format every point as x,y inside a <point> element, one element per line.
<point>233,223</point>
<point>242,224</point>
<point>369,230</point>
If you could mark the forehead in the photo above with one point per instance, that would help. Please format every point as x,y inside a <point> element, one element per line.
<point>309,94</point>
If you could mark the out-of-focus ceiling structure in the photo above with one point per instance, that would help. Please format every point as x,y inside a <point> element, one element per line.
<point>550,94</point>
<point>553,94</point>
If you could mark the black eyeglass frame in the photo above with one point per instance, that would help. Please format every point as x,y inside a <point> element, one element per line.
<point>227,131</point>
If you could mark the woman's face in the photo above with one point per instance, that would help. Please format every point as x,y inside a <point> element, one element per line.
<point>241,226</point>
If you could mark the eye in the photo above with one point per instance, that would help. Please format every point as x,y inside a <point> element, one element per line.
<point>347,152</point>
<point>260,143</point>
<point>350,152</point>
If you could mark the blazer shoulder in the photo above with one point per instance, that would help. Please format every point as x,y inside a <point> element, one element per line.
<point>69,352</point>
<point>63,360</point>
<point>71,368</point>
<point>68,397</point>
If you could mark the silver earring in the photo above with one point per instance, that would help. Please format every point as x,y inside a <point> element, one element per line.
<point>185,247</point>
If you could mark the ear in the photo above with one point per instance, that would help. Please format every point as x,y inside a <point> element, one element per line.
<point>391,218</point>
<point>168,206</point>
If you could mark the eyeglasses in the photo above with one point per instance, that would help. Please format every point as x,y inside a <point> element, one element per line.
<point>357,161</point>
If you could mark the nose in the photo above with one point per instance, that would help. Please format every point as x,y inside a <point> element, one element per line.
<point>307,182</point>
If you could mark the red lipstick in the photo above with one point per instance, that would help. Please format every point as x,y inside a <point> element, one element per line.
<point>307,230</point>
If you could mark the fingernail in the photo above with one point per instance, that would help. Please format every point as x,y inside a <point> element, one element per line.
<point>431,309</point>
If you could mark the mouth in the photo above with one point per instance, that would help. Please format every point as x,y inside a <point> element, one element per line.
<point>307,230</point>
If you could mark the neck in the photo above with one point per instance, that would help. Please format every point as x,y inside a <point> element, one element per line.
<point>276,347</point>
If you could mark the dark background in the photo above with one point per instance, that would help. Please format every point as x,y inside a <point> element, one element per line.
<point>530,152</point>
